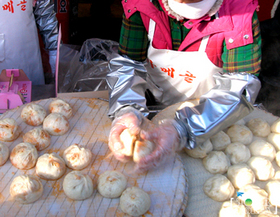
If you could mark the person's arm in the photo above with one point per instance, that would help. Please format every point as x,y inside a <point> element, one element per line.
<point>47,24</point>
<point>133,38</point>
<point>246,58</point>
<point>217,109</point>
<point>126,80</point>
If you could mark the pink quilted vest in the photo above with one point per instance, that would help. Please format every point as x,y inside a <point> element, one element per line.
<point>234,25</point>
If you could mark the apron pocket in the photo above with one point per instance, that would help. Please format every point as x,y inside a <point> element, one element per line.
<point>2,47</point>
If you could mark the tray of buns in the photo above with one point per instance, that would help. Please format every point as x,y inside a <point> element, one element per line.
<point>237,171</point>
<point>72,189</point>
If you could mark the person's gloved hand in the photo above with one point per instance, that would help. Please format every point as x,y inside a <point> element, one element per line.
<point>167,141</point>
<point>127,118</point>
<point>52,61</point>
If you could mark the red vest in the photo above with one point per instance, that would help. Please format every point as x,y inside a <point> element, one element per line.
<point>234,25</point>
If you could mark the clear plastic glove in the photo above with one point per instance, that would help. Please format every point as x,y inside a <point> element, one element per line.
<point>52,61</point>
<point>167,141</point>
<point>127,118</point>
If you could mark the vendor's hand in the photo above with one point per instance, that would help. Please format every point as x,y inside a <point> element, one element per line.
<point>130,119</point>
<point>167,141</point>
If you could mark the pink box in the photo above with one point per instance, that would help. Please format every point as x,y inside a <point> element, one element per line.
<point>15,89</point>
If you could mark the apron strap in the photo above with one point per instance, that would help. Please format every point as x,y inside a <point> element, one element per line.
<point>203,44</point>
<point>152,26</point>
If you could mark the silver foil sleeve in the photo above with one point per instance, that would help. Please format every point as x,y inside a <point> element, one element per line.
<point>47,23</point>
<point>126,84</point>
<point>229,101</point>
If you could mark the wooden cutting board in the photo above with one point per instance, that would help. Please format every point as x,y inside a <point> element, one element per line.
<point>90,126</point>
<point>199,204</point>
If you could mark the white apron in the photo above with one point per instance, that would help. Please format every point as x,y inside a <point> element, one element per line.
<point>181,75</point>
<point>19,43</point>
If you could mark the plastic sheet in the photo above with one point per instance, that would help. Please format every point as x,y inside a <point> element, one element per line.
<point>84,68</point>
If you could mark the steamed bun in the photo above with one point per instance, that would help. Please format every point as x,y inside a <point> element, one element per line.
<point>275,127</point>
<point>38,137</point>
<point>259,127</point>
<point>135,201</point>
<point>111,184</point>
<point>220,141</point>
<point>240,133</point>
<point>77,157</point>
<point>240,175</point>
<point>262,168</point>
<point>9,130</point>
<point>33,114</point>
<point>4,153</point>
<point>56,124</point>
<point>219,188</point>
<point>258,195</point>
<point>237,153</point>
<point>216,162</point>
<point>24,156</point>
<point>201,150</point>
<point>77,186</point>
<point>262,148</point>
<point>62,107</point>
<point>26,189</point>
<point>232,209</point>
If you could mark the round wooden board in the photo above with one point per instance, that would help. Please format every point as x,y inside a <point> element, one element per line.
<point>198,203</point>
<point>90,126</point>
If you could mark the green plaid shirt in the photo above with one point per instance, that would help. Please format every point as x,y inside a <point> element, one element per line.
<point>134,43</point>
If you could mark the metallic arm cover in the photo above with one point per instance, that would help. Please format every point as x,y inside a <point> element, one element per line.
<point>127,85</point>
<point>229,101</point>
<point>47,23</point>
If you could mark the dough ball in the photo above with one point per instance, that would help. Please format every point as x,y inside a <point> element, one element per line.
<point>142,149</point>
<point>26,189</point>
<point>262,148</point>
<point>135,201</point>
<point>275,127</point>
<point>232,209</point>
<point>220,141</point>
<point>259,127</point>
<point>50,166</point>
<point>33,114</point>
<point>277,175</point>
<point>77,186</point>
<point>111,184</point>
<point>237,153</point>
<point>24,156</point>
<point>60,106</point>
<point>9,130</point>
<point>277,158</point>
<point>218,188</point>
<point>240,133</point>
<point>201,150</point>
<point>254,197</point>
<point>38,137</point>
<point>274,139</point>
<point>77,157</point>
<point>216,162</point>
<point>4,153</point>
<point>262,168</point>
<point>56,124</point>
<point>240,175</point>
<point>273,190</point>
<point>267,213</point>
<point>128,141</point>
